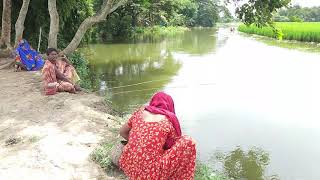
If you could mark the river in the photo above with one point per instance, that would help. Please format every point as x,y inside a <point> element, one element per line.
<point>251,103</point>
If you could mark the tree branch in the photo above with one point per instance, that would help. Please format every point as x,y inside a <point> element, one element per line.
<point>107,8</point>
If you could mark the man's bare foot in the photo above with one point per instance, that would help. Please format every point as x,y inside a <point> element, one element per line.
<point>77,87</point>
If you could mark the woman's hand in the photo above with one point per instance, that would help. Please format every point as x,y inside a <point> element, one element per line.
<point>124,131</point>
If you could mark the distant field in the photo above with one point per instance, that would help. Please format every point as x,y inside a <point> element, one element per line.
<point>300,31</point>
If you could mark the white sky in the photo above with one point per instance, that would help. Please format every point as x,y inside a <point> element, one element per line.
<point>306,3</point>
<point>303,3</point>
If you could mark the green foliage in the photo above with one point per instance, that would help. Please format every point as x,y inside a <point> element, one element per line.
<point>71,14</point>
<point>101,155</point>
<point>144,15</point>
<point>124,22</point>
<point>259,12</point>
<point>81,64</point>
<point>208,13</point>
<point>307,32</point>
<point>225,16</point>
<point>295,19</point>
<point>306,14</point>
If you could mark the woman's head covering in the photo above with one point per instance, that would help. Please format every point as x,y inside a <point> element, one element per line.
<point>162,103</point>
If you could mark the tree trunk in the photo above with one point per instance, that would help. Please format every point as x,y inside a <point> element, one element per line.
<point>106,9</point>
<point>20,21</point>
<point>6,25</point>
<point>54,24</point>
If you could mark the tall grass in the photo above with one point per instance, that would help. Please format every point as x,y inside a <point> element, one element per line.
<point>300,31</point>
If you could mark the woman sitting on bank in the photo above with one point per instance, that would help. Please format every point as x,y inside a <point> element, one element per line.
<point>58,74</point>
<point>156,149</point>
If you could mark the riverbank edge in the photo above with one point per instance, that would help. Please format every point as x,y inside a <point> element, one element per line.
<point>54,133</point>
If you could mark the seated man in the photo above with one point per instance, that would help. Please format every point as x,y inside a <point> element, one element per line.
<point>58,74</point>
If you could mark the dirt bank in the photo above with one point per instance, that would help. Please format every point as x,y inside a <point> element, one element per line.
<point>49,137</point>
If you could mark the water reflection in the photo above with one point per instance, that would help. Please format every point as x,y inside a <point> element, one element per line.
<point>195,42</point>
<point>152,64</point>
<point>121,66</point>
<point>241,164</point>
<point>263,96</point>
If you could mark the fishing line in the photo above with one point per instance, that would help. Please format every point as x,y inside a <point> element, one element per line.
<point>174,87</point>
<point>136,84</point>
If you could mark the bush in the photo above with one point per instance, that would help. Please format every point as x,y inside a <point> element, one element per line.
<point>81,64</point>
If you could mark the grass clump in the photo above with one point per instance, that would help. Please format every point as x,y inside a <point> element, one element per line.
<point>101,155</point>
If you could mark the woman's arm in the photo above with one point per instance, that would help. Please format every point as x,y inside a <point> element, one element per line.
<point>124,131</point>
<point>62,77</point>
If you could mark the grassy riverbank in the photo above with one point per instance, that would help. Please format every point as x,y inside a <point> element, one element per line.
<point>300,31</point>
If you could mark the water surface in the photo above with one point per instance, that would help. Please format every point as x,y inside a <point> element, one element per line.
<point>253,103</point>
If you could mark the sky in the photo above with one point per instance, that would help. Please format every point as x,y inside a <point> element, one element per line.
<point>303,3</point>
<point>306,3</point>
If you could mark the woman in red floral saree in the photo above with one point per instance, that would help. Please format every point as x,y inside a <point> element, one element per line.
<point>156,149</point>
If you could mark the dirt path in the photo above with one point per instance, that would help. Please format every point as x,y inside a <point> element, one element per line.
<point>49,137</point>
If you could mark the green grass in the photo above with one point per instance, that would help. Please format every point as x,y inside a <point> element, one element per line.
<point>300,31</point>
<point>101,155</point>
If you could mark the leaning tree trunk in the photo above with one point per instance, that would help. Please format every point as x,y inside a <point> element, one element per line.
<point>5,41</point>
<point>106,9</point>
<point>54,24</point>
<point>20,21</point>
